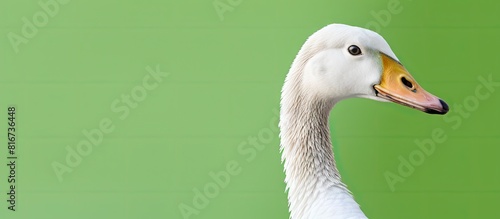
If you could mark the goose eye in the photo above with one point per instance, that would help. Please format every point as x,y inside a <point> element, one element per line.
<point>354,50</point>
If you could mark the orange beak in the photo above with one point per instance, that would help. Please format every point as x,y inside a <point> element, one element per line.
<point>398,86</point>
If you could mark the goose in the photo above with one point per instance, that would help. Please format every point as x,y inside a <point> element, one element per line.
<point>335,63</point>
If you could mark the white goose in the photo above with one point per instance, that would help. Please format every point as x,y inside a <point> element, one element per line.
<point>335,63</point>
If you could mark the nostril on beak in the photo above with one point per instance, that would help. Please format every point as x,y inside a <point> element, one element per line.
<point>445,106</point>
<point>407,83</point>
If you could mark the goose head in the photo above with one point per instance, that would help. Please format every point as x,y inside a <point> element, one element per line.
<point>344,61</point>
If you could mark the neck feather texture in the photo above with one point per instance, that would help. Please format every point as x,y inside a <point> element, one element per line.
<point>315,190</point>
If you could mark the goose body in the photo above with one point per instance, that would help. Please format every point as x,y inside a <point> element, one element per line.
<point>335,63</point>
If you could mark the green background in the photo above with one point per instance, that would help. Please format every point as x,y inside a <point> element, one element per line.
<point>224,83</point>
